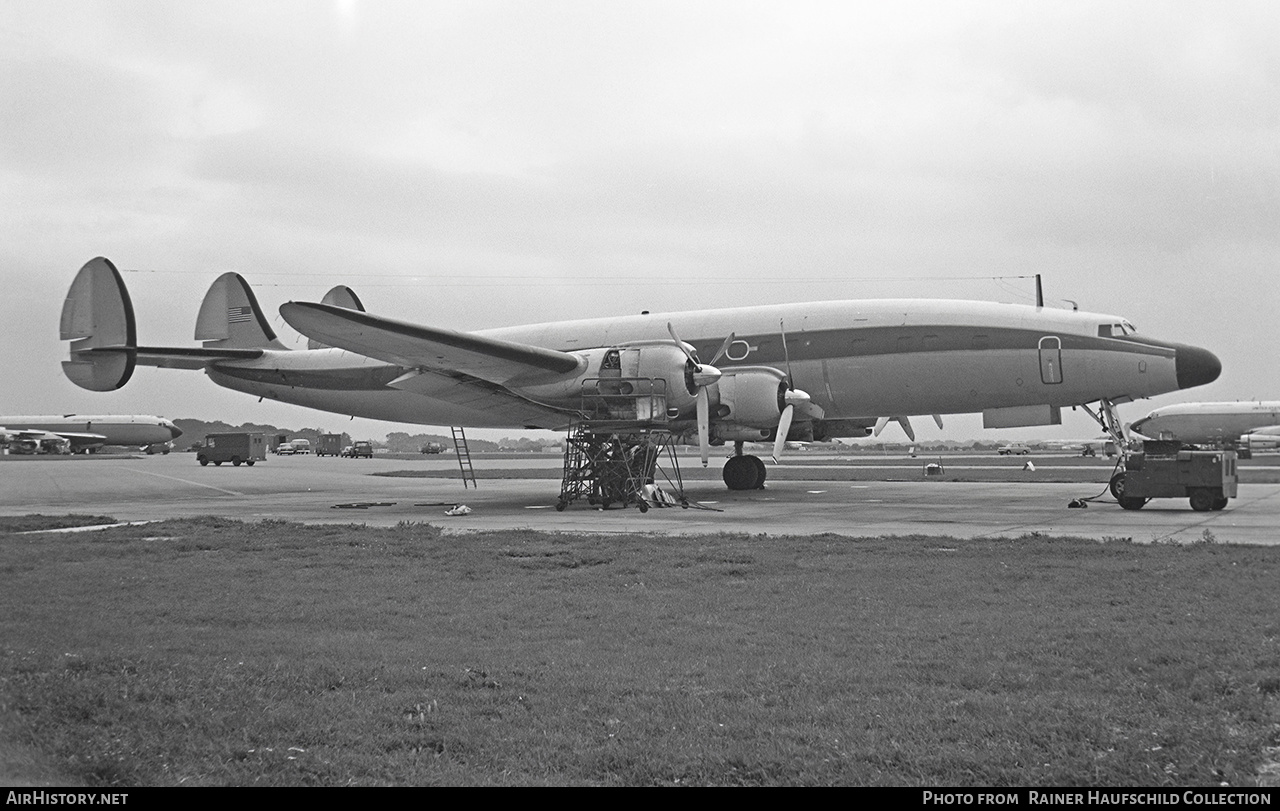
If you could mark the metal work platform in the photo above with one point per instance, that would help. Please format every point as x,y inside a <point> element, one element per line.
<point>612,451</point>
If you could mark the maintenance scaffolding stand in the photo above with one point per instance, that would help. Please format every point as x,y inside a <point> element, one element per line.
<point>613,450</point>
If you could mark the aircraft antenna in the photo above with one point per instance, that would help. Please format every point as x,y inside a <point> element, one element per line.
<point>1039,293</point>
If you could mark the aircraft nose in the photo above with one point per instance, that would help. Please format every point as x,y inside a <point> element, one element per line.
<point>177,432</point>
<point>1196,366</point>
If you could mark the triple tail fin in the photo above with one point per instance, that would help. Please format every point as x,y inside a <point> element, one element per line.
<point>340,296</point>
<point>97,317</point>
<point>230,317</point>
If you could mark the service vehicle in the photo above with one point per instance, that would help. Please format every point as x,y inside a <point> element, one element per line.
<point>1166,470</point>
<point>329,445</point>
<point>238,449</point>
<point>1013,449</point>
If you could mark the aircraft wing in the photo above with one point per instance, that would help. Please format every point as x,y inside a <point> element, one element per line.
<point>428,348</point>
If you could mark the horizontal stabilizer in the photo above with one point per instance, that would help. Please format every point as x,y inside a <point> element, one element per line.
<point>430,348</point>
<point>230,317</point>
<point>340,296</point>
<point>97,317</point>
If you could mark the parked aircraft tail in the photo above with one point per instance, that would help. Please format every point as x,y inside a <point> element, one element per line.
<point>340,296</point>
<point>97,317</point>
<point>230,317</point>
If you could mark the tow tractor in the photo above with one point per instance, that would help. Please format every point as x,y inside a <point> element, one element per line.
<point>1167,470</point>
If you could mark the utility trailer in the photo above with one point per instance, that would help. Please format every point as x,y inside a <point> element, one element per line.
<point>234,448</point>
<point>1206,478</point>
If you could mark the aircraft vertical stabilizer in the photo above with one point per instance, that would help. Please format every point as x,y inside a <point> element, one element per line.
<point>340,296</point>
<point>230,317</point>
<point>97,317</point>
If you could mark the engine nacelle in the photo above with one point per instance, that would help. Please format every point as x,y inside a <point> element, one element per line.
<point>749,396</point>
<point>657,369</point>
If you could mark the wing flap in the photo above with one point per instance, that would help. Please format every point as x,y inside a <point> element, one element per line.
<point>482,396</point>
<point>432,348</point>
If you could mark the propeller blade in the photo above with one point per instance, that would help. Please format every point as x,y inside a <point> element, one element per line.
<point>724,347</point>
<point>786,356</point>
<point>905,422</point>
<point>938,419</point>
<point>683,348</point>
<point>704,425</point>
<point>784,428</point>
<point>906,426</point>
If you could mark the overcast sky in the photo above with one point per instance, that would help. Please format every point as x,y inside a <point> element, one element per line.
<point>479,164</point>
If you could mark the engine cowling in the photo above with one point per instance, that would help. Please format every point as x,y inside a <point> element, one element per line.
<point>643,369</point>
<point>750,397</point>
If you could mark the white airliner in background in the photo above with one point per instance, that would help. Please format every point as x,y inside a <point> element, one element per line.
<point>85,432</point>
<point>1249,425</point>
<point>776,372</point>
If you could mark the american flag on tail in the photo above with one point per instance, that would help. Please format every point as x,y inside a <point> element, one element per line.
<point>239,315</point>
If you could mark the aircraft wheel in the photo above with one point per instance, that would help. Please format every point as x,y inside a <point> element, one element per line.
<point>204,461</point>
<point>1201,499</point>
<point>740,473</point>
<point>1220,503</point>
<point>761,471</point>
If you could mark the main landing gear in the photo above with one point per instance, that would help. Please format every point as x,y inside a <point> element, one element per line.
<point>744,472</point>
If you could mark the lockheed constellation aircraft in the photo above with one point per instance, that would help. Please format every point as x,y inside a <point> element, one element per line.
<point>774,372</point>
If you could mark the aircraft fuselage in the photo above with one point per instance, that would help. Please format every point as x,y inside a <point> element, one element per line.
<point>857,359</point>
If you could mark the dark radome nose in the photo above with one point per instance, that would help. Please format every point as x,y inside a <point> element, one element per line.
<point>177,432</point>
<point>1196,366</point>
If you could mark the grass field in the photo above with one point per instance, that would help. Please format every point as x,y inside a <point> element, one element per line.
<point>215,652</point>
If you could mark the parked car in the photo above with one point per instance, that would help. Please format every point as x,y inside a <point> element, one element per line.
<point>293,446</point>
<point>1013,449</point>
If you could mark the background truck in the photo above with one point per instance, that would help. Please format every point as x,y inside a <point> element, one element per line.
<point>1206,478</point>
<point>329,445</point>
<point>233,448</point>
<point>360,449</point>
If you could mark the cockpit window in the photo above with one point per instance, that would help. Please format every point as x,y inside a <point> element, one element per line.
<point>1116,330</point>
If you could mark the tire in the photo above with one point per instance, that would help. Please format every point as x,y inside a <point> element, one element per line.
<point>218,463</point>
<point>740,473</point>
<point>235,460</point>
<point>1117,486</point>
<point>249,462</point>
<point>761,471</point>
<point>1126,502</point>
<point>1220,503</point>
<point>203,460</point>
<point>1202,499</point>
